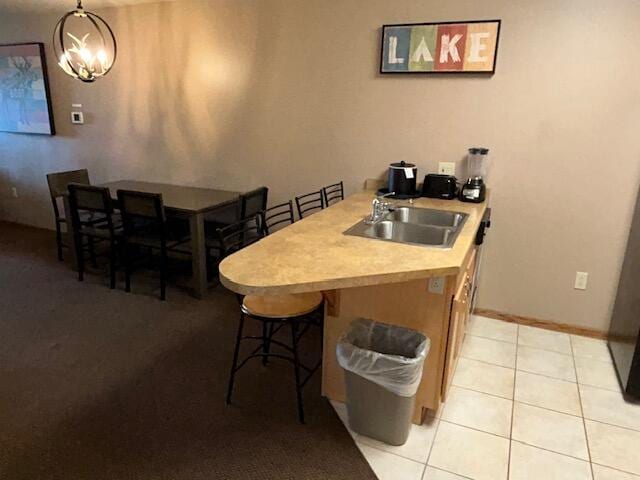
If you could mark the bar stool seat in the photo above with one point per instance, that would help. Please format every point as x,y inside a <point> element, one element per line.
<point>282,306</point>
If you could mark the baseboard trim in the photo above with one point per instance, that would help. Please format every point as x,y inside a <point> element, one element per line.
<point>546,324</point>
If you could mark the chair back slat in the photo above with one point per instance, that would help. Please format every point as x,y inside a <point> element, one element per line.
<point>309,203</point>
<point>333,193</point>
<point>95,201</point>
<point>253,202</point>
<point>89,198</point>
<point>141,204</point>
<point>59,181</point>
<point>276,216</point>
<point>142,212</point>
<point>239,235</point>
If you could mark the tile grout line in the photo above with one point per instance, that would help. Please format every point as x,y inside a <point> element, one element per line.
<point>387,451</point>
<point>532,373</point>
<point>529,405</point>
<point>528,371</point>
<point>523,344</point>
<point>584,422</point>
<point>472,334</point>
<point>479,391</point>
<point>551,451</point>
<point>613,425</point>
<point>513,403</point>
<point>447,471</point>
<point>615,469</point>
<point>435,436</point>
<point>570,335</point>
<point>485,362</point>
<point>540,348</point>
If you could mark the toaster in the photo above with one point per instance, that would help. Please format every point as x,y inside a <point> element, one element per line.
<point>440,186</point>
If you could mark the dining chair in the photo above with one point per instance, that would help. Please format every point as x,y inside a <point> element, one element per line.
<point>333,193</point>
<point>253,203</point>
<point>145,225</point>
<point>92,218</point>
<point>273,312</point>
<point>58,183</point>
<point>309,203</point>
<point>249,205</point>
<point>277,217</point>
<point>238,235</point>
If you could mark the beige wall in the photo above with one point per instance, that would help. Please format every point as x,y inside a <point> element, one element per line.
<point>286,93</point>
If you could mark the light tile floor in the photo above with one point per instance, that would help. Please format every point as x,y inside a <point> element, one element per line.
<point>525,404</point>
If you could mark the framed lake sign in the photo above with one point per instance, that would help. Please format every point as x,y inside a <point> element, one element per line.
<point>445,47</point>
<point>25,102</point>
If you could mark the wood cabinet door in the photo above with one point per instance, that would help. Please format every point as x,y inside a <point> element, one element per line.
<point>457,323</point>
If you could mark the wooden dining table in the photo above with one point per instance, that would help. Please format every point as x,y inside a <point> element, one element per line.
<point>192,203</point>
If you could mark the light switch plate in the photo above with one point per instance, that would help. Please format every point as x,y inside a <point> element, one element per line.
<point>581,280</point>
<point>447,168</point>
<point>436,285</point>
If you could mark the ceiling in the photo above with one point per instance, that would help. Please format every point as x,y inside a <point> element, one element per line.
<point>40,5</point>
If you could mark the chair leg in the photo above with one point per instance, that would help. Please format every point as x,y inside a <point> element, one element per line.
<point>112,265</point>
<point>236,352</point>
<point>127,267</point>
<point>267,331</point>
<point>59,241</point>
<point>92,252</point>
<point>296,368</point>
<point>163,273</point>
<point>80,257</point>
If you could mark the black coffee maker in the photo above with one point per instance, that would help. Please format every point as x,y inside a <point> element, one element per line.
<point>474,189</point>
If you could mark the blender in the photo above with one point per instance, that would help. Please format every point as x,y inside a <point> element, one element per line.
<point>474,189</point>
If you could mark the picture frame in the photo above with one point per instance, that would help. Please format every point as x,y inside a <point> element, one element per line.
<point>25,95</point>
<point>457,47</point>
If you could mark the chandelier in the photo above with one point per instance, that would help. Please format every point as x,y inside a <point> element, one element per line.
<point>84,45</point>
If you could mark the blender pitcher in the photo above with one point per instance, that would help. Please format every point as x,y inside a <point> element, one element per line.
<point>478,162</point>
<point>474,190</point>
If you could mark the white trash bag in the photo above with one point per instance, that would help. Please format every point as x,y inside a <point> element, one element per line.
<point>386,355</point>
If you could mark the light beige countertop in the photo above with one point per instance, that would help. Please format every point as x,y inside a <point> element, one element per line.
<point>314,255</point>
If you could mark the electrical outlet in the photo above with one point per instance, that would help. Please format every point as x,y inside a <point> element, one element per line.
<point>447,168</point>
<point>14,192</point>
<point>77,118</point>
<point>436,285</point>
<point>581,280</point>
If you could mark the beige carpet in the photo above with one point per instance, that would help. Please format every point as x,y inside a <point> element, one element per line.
<point>99,384</point>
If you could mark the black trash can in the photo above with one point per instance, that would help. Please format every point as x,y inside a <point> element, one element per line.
<point>383,368</point>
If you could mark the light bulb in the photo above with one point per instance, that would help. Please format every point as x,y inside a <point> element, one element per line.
<point>86,56</point>
<point>103,59</point>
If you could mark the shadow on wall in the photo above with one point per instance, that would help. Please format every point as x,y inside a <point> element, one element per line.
<point>183,91</point>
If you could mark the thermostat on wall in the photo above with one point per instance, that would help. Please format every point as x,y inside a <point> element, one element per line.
<point>77,118</point>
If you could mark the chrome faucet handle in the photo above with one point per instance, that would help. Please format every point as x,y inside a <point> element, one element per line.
<point>379,207</point>
<point>388,194</point>
<point>386,205</point>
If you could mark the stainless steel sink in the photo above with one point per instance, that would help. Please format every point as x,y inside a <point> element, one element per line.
<point>415,226</point>
<point>425,216</point>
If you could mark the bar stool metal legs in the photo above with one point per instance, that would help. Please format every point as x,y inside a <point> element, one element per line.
<point>236,351</point>
<point>263,351</point>
<point>296,370</point>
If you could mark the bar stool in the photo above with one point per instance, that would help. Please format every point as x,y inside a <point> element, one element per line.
<point>333,193</point>
<point>309,203</point>
<point>276,312</point>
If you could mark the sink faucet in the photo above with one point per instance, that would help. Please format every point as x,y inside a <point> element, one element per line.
<point>379,208</point>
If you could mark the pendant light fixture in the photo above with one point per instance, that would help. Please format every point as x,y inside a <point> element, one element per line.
<point>84,45</point>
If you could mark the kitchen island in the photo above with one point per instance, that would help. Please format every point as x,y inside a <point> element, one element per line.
<point>415,286</point>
